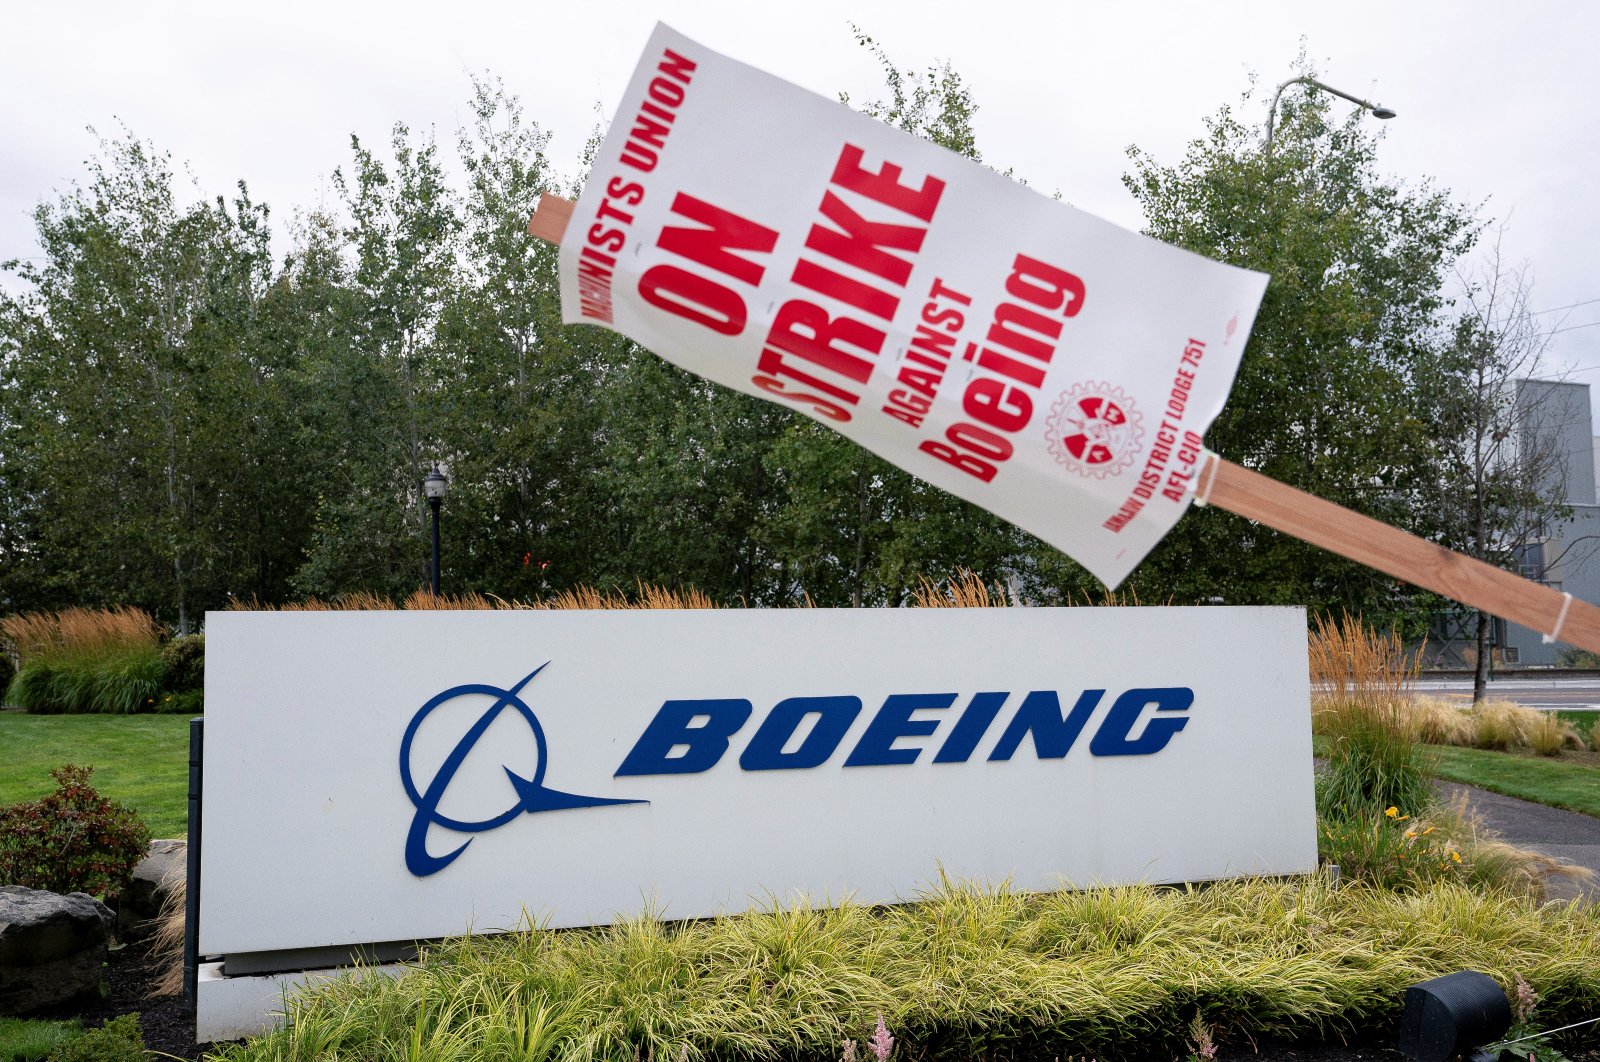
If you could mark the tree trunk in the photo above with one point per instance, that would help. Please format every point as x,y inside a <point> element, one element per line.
<point>1480,674</point>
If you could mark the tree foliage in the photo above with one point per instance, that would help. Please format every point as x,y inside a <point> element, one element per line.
<point>184,419</point>
<point>1344,389</point>
<point>134,393</point>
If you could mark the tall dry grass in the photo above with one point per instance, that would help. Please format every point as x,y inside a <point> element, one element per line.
<point>1354,669</point>
<point>965,590</point>
<point>1499,725</point>
<point>1362,683</point>
<point>85,660</point>
<point>79,632</point>
<point>582,597</point>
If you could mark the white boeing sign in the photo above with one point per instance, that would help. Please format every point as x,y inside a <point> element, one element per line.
<point>395,776</point>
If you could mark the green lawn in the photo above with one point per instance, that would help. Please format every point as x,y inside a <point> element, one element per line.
<point>141,761</point>
<point>22,1039</point>
<point>1560,783</point>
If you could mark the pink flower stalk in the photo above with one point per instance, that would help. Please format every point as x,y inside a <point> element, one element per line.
<point>849,1051</point>
<point>881,1042</point>
<point>1525,1001</point>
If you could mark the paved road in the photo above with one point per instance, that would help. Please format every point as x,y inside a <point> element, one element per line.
<point>1580,694</point>
<point>1563,834</point>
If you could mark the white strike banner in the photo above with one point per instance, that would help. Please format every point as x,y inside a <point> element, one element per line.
<point>1044,364</point>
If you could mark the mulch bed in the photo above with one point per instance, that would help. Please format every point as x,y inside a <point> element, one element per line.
<point>129,987</point>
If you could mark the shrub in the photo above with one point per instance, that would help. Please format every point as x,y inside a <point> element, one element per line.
<point>73,840</point>
<point>185,661</point>
<point>189,702</point>
<point>118,1040</point>
<point>32,690</point>
<point>127,684</point>
<point>1391,851</point>
<point>8,671</point>
<point>1403,854</point>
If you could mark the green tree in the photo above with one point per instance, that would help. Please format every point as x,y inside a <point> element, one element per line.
<point>132,386</point>
<point>372,403</point>
<point>1336,392</point>
<point>520,399</point>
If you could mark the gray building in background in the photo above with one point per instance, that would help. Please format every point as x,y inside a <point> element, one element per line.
<point>1566,556</point>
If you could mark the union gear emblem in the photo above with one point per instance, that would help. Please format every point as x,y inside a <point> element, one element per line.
<point>1094,430</point>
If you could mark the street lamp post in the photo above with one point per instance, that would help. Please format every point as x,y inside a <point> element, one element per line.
<point>1272,112</point>
<point>434,485</point>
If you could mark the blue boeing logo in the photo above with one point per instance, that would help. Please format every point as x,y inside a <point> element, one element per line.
<point>690,737</point>
<point>532,794</point>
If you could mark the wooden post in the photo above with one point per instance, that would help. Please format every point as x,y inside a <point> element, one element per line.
<point>1336,529</point>
<point>549,222</point>
<point>1394,552</point>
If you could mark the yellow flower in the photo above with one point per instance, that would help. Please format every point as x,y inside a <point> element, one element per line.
<point>1429,830</point>
<point>1411,833</point>
<point>1456,856</point>
<point>1392,812</point>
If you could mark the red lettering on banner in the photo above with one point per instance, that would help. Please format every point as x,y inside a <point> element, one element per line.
<point>806,331</point>
<point>848,290</point>
<point>694,298</point>
<point>647,137</point>
<point>861,243</point>
<point>927,356</point>
<point>966,462</point>
<point>839,350</point>
<point>1000,406</point>
<point>1173,484</point>
<point>1045,285</point>
<point>641,151</point>
<point>885,187</point>
<point>713,245</point>
<point>821,406</point>
<point>607,240</point>
<point>921,381</point>
<point>1018,347</point>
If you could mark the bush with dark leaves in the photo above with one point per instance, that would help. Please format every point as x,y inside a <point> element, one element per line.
<point>73,840</point>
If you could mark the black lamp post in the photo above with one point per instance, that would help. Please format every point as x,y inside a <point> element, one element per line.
<point>434,485</point>
<point>1378,111</point>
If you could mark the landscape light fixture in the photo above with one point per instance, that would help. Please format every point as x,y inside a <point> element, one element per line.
<point>1377,110</point>
<point>434,485</point>
<point>1454,1015</point>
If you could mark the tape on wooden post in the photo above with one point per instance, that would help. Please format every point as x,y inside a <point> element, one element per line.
<point>1555,632</point>
<point>1208,477</point>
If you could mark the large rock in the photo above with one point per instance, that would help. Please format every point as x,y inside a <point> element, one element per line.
<point>51,947</point>
<point>158,874</point>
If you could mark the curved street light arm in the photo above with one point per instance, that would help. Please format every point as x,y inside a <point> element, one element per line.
<point>1377,110</point>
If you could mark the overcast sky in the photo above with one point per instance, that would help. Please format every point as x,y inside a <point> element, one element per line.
<point>1496,101</point>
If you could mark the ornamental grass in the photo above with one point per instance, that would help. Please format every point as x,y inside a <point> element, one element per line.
<point>961,973</point>
<point>85,660</point>
<point>1362,683</point>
